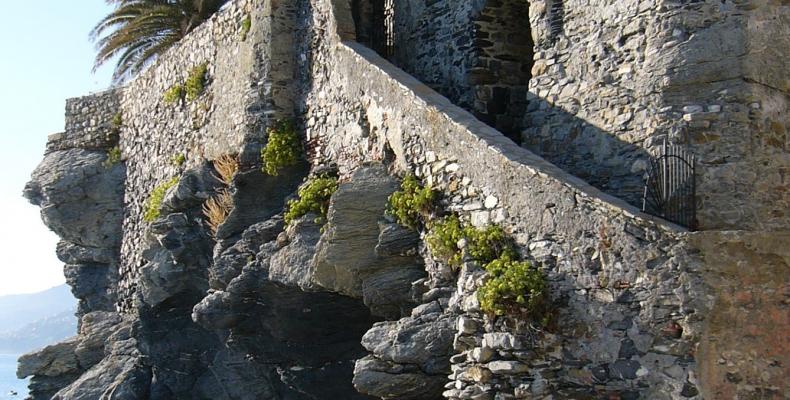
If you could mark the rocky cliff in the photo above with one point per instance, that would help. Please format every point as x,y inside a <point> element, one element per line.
<point>198,280</point>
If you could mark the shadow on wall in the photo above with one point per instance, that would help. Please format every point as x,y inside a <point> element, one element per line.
<point>579,147</point>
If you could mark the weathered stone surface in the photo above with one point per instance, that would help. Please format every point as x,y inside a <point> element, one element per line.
<point>78,196</point>
<point>409,357</point>
<point>291,265</point>
<point>387,381</point>
<point>345,256</point>
<point>743,346</point>
<point>57,359</point>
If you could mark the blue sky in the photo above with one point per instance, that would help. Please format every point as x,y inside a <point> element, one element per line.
<point>46,58</point>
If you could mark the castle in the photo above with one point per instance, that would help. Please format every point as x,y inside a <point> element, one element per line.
<point>542,117</point>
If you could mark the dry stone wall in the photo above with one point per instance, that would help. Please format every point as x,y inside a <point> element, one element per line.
<point>89,123</point>
<point>247,86</point>
<point>618,78</point>
<point>614,273</point>
<point>632,294</point>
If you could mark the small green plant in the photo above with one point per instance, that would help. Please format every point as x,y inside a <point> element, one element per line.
<point>246,24</point>
<point>174,94</point>
<point>488,244</point>
<point>117,121</point>
<point>482,245</point>
<point>443,240</point>
<point>153,205</point>
<point>313,197</point>
<point>512,287</point>
<point>412,203</point>
<point>178,159</point>
<point>113,157</point>
<point>283,148</point>
<point>196,82</point>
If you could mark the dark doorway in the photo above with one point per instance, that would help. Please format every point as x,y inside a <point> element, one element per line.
<point>374,25</point>
<point>503,67</point>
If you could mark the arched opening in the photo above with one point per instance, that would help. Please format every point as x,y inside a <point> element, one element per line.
<point>503,66</point>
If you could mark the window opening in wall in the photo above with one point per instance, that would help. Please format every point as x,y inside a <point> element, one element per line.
<point>375,25</point>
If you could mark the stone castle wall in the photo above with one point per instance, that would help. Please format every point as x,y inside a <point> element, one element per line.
<point>621,77</point>
<point>610,82</point>
<point>601,255</point>
<point>247,87</point>
<point>89,123</point>
<point>633,294</point>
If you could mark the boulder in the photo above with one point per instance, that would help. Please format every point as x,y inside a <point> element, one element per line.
<point>346,255</point>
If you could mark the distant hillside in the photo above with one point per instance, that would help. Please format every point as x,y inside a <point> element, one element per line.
<point>46,331</point>
<point>17,311</point>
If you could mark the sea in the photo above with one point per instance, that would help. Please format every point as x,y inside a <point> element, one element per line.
<point>8,381</point>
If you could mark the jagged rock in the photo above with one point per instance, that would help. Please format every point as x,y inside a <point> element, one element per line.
<point>71,253</point>
<point>80,198</point>
<point>413,352</point>
<point>396,240</point>
<point>95,329</point>
<point>345,256</point>
<point>291,264</point>
<point>387,381</point>
<point>177,249</point>
<point>55,360</point>
<point>259,196</point>
<point>388,293</point>
<point>119,376</point>
<point>193,188</point>
<point>215,311</point>
<point>229,263</point>
<point>93,285</point>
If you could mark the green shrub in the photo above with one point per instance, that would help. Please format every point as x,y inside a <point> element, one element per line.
<point>313,197</point>
<point>482,245</point>
<point>175,93</point>
<point>117,121</point>
<point>246,24</point>
<point>113,157</point>
<point>153,205</point>
<point>283,148</point>
<point>512,287</point>
<point>488,244</point>
<point>196,82</point>
<point>178,159</point>
<point>412,203</point>
<point>443,240</point>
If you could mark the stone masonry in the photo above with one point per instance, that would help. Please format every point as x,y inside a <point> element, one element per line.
<point>538,116</point>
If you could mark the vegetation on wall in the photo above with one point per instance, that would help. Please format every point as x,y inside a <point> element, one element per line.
<point>448,239</point>
<point>113,157</point>
<point>173,94</point>
<point>283,148</point>
<point>153,205</point>
<point>196,81</point>
<point>246,24</point>
<point>512,287</point>
<point>116,123</point>
<point>412,203</point>
<point>217,208</point>
<point>178,159</point>
<point>191,89</point>
<point>314,197</point>
<point>226,166</point>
